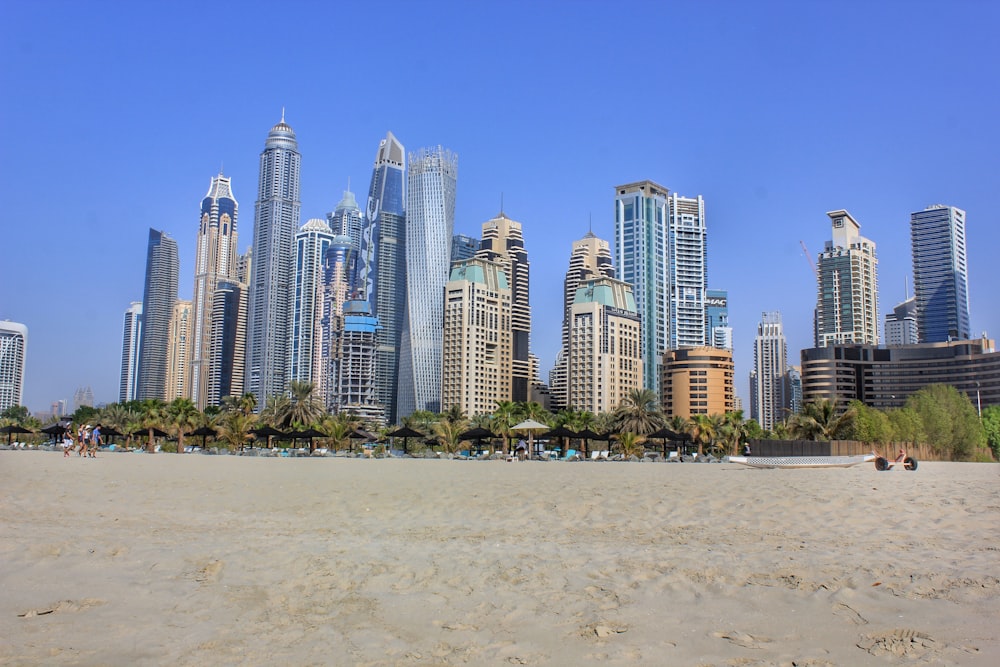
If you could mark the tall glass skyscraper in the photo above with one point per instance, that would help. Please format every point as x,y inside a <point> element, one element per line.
<point>430,221</point>
<point>661,250</point>
<point>215,260</point>
<point>346,219</point>
<point>720,334</point>
<point>276,219</point>
<point>381,264</point>
<point>159,295</point>
<point>128,388</point>
<point>229,335</point>
<point>940,273</point>
<point>311,244</point>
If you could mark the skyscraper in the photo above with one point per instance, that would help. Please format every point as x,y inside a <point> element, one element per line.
<point>276,219</point>
<point>847,275</point>
<point>157,310</point>
<point>604,360</point>
<point>355,390</point>
<point>215,260</point>
<point>128,388</point>
<point>769,397</point>
<point>178,383</point>
<point>589,258</point>
<point>311,244</point>
<point>720,334</point>
<point>940,273</point>
<point>382,264</point>
<point>430,220</point>
<point>477,339</point>
<point>83,396</point>
<point>227,376</point>
<point>463,247</point>
<point>503,242</point>
<point>339,272</point>
<point>687,271</point>
<point>346,219</point>
<point>13,351</point>
<point>901,324</point>
<point>698,381</point>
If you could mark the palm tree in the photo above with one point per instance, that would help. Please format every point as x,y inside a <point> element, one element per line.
<point>639,412</point>
<point>631,444</point>
<point>338,428</point>
<point>702,431</point>
<point>276,407</point>
<point>153,415</point>
<point>504,417</point>
<point>302,408</point>
<point>819,420</point>
<point>454,414</point>
<point>736,430</point>
<point>234,428</point>
<point>448,433</point>
<point>181,414</point>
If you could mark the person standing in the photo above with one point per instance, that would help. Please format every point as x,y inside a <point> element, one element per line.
<point>95,441</point>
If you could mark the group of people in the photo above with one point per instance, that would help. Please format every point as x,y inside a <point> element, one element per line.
<point>87,442</point>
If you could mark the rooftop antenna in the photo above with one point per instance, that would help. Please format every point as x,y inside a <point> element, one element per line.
<point>906,288</point>
<point>282,114</point>
<point>348,183</point>
<point>501,203</point>
<point>590,223</point>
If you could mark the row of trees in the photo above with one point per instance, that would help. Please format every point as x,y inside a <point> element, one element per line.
<point>937,415</point>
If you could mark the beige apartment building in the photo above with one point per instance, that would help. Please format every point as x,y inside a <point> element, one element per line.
<point>698,381</point>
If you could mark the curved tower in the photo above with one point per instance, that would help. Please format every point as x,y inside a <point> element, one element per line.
<point>311,244</point>
<point>215,261</point>
<point>276,219</point>
<point>430,221</point>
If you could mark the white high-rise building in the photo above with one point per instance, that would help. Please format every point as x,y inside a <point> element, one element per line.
<point>347,220</point>
<point>131,335</point>
<point>276,219</point>
<point>430,221</point>
<point>940,273</point>
<point>13,350</point>
<point>901,324</point>
<point>769,398</point>
<point>847,295</point>
<point>311,244</point>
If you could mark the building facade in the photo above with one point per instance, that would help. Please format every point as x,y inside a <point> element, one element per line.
<point>128,386</point>
<point>382,264</point>
<point>159,295</point>
<point>687,272</point>
<point>503,242</point>
<point>227,375</point>
<point>901,324</point>
<point>698,381</point>
<point>13,352</point>
<point>430,221</point>
<point>477,341</point>
<point>770,400</point>
<point>338,289</point>
<point>347,220</point>
<point>276,219</point>
<point>311,245</point>
<point>884,377</point>
<point>940,273</point>
<point>463,247</point>
<point>178,380</point>
<point>720,334</point>
<point>604,355</point>
<point>215,260</point>
<point>847,275</point>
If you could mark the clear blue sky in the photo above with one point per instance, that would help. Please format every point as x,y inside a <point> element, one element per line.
<point>118,114</point>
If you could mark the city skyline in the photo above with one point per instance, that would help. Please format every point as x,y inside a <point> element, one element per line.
<point>764,146</point>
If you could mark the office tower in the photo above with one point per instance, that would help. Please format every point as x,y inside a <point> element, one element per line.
<point>311,244</point>
<point>604,354</point>
<point>503,242</point>
<point>276,219</point>
<point>794,386</point>
<point>430,221</point>
<point>382,264</point>
<point>178,380</point>
<point>13,350</point>
<point>227,375</point>
<point>477,340</point>
<point>901,324</point>
<point>244,264</point>
<point>769,399</point>
<point>339,270</point>
<point>346,219</point>
<point>128,388</point>
<point>83,396</point>
<point>215,260</point>
<point>158,298</point>
<point>463,247</point>
<point>355,390</point>
<point>589,258</point>
<point>847,276</point>
<point>940,273</point>
<point>660,249</point>
<point>720,334</point>
<point>698,381</point>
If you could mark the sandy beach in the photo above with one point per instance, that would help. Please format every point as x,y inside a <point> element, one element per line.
<point>137,559</point>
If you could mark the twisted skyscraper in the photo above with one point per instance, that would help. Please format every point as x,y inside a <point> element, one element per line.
<point>276,219</point>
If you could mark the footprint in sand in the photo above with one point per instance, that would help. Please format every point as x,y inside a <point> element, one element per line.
<point>846,611</point>
<point>743,639</point>
<point>63,606</point>
<point>901,642</point>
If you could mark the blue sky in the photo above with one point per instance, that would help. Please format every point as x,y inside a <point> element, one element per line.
<point>117,115</point>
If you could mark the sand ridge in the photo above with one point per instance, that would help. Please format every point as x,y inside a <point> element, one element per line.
<point>147,559</point>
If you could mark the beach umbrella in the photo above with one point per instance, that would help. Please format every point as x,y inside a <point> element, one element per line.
<point>157,433</point>
<point>204,432</point>
<point>560,432</point>
<point>478,434</point>
<point>358,434</point>
<point>405,433</point>
<point>12,429</point>
<point>55,430</point>
<point>587,435</point>
<point>530,426</point>
<point>307,434</point>
<point>266,433</point>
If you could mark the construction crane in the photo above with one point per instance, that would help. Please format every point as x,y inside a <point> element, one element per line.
<point>809,258</point>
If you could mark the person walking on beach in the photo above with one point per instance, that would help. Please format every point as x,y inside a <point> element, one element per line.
<point>95,440</point>
<point>80,444</point>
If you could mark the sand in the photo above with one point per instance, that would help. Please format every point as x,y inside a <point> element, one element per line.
<point>138,559</point>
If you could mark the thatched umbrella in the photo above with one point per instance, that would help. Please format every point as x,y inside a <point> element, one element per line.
<point>478,434</point>
<point>560,432</point>
<point>405,433</point>
<point>12,429</point>
<point>204,432</point>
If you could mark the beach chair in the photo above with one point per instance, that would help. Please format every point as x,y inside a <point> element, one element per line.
<point>594,455</point>
<point>673,456</point>
<point>570,454</point>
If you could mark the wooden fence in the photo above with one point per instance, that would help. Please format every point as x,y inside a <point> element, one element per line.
<point>839,448</point>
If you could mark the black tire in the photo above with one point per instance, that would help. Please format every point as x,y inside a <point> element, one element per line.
<point>881,464</point>
<point>910,463</point>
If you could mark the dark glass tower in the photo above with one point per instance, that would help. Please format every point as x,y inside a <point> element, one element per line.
<point>158,299</point>
<point>382,264</point>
